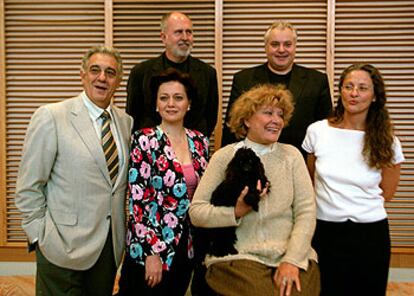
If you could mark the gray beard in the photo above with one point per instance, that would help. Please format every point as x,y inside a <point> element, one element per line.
<point>182,53</point>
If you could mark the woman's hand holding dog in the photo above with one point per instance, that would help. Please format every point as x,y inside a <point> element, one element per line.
<point>241,208</point>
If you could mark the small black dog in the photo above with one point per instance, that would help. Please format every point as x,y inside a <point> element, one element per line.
<point>245,169</point>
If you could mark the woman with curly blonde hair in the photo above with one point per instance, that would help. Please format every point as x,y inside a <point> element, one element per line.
<point>274,254</point>
<point>355,160</point>
<point>250,102</point>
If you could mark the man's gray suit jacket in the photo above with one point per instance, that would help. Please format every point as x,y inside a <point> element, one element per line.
<point>64,190</point>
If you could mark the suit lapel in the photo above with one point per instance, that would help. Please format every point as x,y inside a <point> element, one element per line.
<point>84,127</point>
<point>198,154</point>
<point>297,82</point>
<point>195,72</point>
<point>157,66</point>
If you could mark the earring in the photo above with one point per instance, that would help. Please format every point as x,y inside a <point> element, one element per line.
<point>188,109</point>
<point>157,110</point>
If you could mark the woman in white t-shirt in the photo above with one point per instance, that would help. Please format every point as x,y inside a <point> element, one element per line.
<point>354,159</point>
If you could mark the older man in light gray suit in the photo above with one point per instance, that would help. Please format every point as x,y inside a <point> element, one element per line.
<point>71,196</point>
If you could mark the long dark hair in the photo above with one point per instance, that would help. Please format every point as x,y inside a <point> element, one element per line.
<point>379,136</point>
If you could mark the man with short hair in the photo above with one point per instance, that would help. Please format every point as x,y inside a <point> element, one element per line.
<point>310,88</point>
<point>177,36</point>
<point>72,183</point>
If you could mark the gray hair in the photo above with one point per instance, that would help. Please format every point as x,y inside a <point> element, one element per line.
<point>102,49</point>
<point>280,25</point>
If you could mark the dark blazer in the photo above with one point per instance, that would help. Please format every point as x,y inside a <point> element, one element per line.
<point>310,89</point>
<point>203,113</point>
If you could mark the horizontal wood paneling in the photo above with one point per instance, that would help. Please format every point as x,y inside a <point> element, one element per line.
<point>44,44</point>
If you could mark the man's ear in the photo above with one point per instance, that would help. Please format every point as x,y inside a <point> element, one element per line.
<point>163,36</point>
<point>82,74</point>
<point>118,83</point>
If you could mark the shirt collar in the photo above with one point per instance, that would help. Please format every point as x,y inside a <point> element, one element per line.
<point>259,149</point>
<point>94,111</point>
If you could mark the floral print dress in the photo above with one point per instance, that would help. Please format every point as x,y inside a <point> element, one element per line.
<point>158,198</point>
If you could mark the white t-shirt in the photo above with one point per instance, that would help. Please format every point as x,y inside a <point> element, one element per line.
<point>346,187</point>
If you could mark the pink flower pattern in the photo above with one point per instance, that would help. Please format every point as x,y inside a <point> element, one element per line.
<point>156,217</point>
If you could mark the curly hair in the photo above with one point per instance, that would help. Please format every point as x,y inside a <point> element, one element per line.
<point>250,101</point>
<point>379,135</point>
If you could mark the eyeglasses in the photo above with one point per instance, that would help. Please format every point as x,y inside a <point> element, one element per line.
<point>360,88</point>
<point>96,70</point>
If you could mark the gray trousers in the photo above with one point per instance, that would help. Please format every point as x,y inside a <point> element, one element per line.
<point>53,280</point>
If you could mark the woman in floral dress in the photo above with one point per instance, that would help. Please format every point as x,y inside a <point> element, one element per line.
<point>166,163</point>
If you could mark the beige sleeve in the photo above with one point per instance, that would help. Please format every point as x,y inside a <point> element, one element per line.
<point>202,212</point>
<point>304,209</point>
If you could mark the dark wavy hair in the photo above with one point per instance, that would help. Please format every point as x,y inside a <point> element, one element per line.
<point>168,75</point>
<point>379,135</point>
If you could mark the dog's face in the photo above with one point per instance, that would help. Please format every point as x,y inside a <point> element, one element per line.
<point>246,160</point>
<point>245,169</point>
<point>245,163</point>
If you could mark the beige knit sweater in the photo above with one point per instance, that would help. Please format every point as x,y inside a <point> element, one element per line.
<point>282,229</point>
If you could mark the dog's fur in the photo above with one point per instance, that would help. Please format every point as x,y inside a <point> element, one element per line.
<point>245,169</point>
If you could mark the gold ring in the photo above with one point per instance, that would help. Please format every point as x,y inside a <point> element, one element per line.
<point>150,278</point>
<point>284,281</point>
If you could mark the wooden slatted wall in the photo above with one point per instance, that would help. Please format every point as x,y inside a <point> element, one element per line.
<point>44,44</point>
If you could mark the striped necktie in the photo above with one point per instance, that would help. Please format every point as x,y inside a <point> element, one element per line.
<point>109,147</point>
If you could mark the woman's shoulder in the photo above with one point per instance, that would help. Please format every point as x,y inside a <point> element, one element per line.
<point>398,153</point>
<point>225,152</point>
<point>285,156</point>
<point>198,140</point>
<point>320,124</point>
<point>287,150</point>
<point>195,134</point>
<point>148,133</point>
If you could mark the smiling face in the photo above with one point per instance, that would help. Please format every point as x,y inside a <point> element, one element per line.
<point>280,50</point>
<point>178,37</point>
<point>172,102</point>
<point>265,125</point>
<point>357,92</point>
<point>100,79</point>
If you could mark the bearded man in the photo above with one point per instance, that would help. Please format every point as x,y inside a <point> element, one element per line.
<point>177,37</point>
